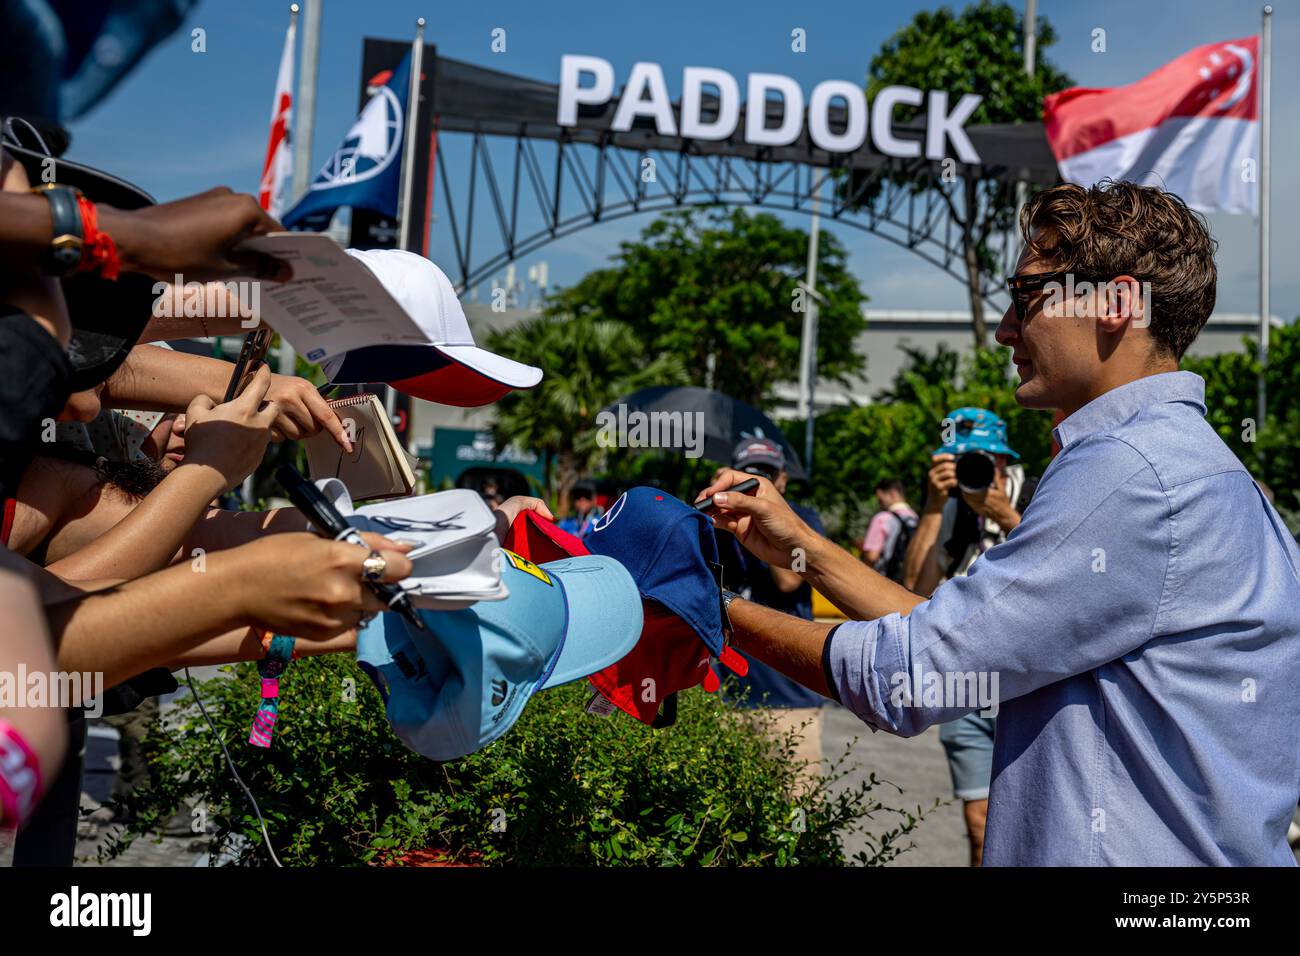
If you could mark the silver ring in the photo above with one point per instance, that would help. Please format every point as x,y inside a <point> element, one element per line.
<point>373,567</point>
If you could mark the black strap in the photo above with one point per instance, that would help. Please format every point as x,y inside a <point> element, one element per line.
<point>826,665</point>
<point>1026,494</point>
<point>667,715</point>
<point>128,695</point>
<point>63,257</point>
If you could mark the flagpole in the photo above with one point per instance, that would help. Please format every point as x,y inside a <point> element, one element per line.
<point>404,216</point>
<point>305,103</point>
<point>1031,45</point>
<point>288,365</point>
<point>406,192</point>
<point>808,344</point>
<point>1265,64</point>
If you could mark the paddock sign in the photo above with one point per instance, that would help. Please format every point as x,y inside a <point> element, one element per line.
<point>589,81</point>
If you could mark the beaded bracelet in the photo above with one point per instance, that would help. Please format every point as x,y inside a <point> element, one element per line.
<point>20,777</point>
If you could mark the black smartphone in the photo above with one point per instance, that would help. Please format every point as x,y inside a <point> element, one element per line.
<point>251,357</point>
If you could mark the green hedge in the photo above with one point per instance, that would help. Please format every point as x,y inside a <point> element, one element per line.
<point>562,788</point>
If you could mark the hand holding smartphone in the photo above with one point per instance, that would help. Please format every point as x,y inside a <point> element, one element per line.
<point>252,355</point>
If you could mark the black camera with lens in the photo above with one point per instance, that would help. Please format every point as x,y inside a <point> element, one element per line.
<point>975,472</point>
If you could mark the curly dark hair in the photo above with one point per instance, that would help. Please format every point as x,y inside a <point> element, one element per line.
<point>135,479</point>
<point>1121,228</point>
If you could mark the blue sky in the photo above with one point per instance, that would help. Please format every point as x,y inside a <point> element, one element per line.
<point>185,121</point>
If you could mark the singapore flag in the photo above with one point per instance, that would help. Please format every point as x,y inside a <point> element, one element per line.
<point>1191,127</point>
<point>278,166</point>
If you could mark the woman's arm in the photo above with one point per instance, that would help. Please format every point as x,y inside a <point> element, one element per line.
<point>223,444</point>
<point>158,379</point>
<point>222,312</point>
<point>25,642</point>
<point>164,380</point>
<point>303,585</point>
<point>143,536</point>
<point>245,644</point>
<point>218,529</point>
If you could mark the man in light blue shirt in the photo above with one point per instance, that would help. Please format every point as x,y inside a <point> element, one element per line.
<point>1138,633</point>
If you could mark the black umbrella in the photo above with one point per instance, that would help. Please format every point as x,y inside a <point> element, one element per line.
<point>726,420</point>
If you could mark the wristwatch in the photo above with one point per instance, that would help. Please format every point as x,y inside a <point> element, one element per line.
<point>727,598</point>
<point>64,255</point>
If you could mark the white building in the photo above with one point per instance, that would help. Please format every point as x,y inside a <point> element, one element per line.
<point>887,331</point>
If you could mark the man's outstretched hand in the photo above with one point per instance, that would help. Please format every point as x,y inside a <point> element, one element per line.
<point>194,237</point>
<point>763,522</point>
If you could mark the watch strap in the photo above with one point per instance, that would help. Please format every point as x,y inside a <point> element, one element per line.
<point>63,257</point>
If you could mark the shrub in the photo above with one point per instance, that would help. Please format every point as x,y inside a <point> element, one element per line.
<point>563,787</point>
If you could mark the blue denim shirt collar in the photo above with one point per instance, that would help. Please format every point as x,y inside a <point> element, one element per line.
<point>1122,403</point>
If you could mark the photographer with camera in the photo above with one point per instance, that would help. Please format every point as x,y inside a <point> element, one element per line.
<point>976,493</point>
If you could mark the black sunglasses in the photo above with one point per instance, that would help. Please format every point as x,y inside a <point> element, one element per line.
<point>1024,288</point>
<point>766,471</point>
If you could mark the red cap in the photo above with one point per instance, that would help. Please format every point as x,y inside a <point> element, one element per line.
<point>669,657</point>
<point>533,537</point>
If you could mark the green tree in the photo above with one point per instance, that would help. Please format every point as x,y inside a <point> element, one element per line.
<point>1270,449</point>
<point>589,362</point>
<point>718,291</point>
<point>981,51</point>
<point>894,436</point>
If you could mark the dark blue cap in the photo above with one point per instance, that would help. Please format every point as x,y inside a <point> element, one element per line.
<point>666,545</point>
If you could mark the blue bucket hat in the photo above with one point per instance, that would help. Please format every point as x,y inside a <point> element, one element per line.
<point>464,683</point>
<point>976,429</point>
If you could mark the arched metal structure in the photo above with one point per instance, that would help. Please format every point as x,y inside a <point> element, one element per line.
<point>602,183</point>
<point>508,180</point>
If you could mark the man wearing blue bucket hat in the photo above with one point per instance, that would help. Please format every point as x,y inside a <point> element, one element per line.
<point>976,492</point>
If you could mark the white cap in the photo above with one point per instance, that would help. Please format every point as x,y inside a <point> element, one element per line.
<point>454,371</point>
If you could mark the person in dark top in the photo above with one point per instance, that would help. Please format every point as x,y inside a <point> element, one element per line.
<point>793,707</point>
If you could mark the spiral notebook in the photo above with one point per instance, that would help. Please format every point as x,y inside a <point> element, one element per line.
<point>378,466</point>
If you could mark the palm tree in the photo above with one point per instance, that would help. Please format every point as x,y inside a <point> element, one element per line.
<point>588,363</point>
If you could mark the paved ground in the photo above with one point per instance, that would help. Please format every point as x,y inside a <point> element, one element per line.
<point>917,767</point>
<point>95,827</point>
<point>181,848</point>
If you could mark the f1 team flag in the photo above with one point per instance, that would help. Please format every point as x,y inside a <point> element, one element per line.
<point>277,168</point>
<point>365,170</point>
<point>1191,127</point>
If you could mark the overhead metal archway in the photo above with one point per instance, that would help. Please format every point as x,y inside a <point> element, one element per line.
<point>509,180</point>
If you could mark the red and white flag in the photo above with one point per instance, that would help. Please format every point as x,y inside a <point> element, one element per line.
<point>277,170</point>
<point>1191,127</point>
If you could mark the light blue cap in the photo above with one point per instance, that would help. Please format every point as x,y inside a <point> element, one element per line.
<point>462,684</point>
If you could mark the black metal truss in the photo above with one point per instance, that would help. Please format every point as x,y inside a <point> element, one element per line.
<point>910,203</point>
